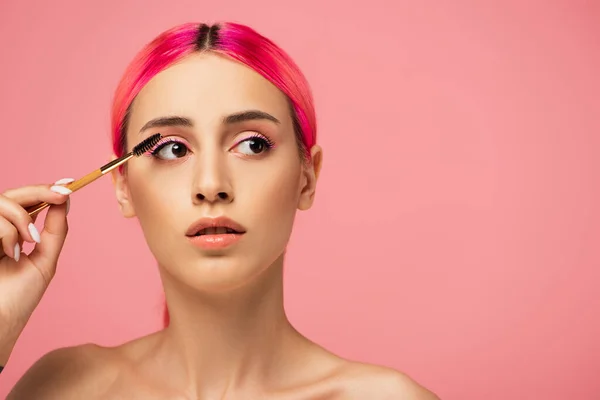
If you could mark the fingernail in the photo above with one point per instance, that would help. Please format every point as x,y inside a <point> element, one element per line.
<point>61,190</point>
<point>64,181</point>
<point>34,233</point>
<point>68,205</point>
<point>17,252</point>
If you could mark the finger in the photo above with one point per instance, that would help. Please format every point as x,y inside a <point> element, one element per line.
<point>33,219</point>
<point>19,218</point>
<point>29,195</point>
<point>60,182</point>
<point>9,237</point>
<point>45,254</point>
<point>13,201</point>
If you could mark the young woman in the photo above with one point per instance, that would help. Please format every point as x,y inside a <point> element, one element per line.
<point>216,199</point>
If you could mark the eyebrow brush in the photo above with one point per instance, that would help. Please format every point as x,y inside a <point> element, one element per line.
<point>142,148</point>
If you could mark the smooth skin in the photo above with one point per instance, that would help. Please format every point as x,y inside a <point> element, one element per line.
<point>25,278</point>
<point>229,337</point>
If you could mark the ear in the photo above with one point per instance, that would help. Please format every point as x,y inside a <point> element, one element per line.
<point>122,191</point>
<point>310,175</point>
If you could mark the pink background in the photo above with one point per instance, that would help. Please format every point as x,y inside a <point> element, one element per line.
<point>455,234</point>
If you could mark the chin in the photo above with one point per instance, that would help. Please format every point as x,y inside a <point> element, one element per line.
<point>218,274</point>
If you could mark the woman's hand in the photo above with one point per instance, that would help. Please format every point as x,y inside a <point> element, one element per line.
<point>24,278</point>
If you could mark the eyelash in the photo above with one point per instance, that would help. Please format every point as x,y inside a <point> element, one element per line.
<point>269,143</point>
<point>162,143</point>
<point>166,141</point>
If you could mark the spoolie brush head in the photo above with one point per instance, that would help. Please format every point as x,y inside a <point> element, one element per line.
<point>146,145</point>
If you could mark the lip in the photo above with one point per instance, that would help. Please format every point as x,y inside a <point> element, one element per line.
<point>215,241</point>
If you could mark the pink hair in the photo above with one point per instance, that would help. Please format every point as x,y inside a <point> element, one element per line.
<point>235,41</point>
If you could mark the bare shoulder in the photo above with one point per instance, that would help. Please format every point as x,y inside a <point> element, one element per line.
<point>363,381</point>
<point>68,373</point>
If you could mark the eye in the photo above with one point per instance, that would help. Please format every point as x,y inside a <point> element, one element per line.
<point>254,145</point>
<point>170,150</point>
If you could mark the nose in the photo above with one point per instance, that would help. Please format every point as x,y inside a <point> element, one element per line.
<point>212,182</point>
<point>211,198</point>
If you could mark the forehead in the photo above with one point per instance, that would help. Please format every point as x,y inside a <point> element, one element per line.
<point>205,87</point>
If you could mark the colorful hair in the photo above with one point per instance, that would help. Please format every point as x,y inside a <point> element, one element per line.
<point>235,41</point>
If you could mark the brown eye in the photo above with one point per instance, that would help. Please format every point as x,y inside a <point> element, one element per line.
<point>254,146</point>
<point>171,150</point>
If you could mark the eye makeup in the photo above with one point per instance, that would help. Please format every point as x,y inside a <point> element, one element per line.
<point>163,143</point>
<point>257,137</point>
<point>253,145</point>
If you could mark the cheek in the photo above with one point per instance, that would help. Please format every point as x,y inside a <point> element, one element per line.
<point>272,200</point>
<point>155,199</point>
<point>282,190</point>
<point>277,188</point>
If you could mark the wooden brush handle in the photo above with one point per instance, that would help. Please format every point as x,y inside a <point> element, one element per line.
<point>73,186</point>
<point>84,181</point>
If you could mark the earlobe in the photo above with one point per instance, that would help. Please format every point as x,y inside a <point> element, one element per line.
<point>119,179</point>
<point>311,175</point>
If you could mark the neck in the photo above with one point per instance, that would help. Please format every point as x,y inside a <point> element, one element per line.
<point>225,341</point>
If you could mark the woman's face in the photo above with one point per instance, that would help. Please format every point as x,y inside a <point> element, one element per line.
<point>229,151</point>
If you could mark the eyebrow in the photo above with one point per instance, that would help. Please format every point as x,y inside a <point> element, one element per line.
<point>250,115</point>
<point>162,122</point>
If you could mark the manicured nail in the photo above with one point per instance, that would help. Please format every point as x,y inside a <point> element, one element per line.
<point>61,190</point>
<point>68,205</point>
<point>64,181</point>
<point>17,252</point>
<point>34,233</point>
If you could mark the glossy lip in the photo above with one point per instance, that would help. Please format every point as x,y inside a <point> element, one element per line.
<point>215,241</point>
<point>219,222</point>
